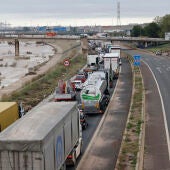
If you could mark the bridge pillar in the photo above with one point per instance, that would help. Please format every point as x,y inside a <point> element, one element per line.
<point>146,44</point>
<point>84,45</point>
<point>16,47</point>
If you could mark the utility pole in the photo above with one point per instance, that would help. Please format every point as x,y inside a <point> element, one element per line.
<point>118,16</point>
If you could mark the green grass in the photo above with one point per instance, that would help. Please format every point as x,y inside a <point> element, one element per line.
<point>130,144</point>
<point>164,47</point>
<point>34,92</point>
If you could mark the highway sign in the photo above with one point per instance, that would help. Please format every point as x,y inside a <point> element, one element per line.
<point>66,62</point>
<point>136,60</point>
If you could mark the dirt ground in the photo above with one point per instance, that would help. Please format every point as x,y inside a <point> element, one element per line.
<point>60,46</point>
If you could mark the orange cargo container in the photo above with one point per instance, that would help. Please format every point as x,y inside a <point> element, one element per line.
<point>8,114</point>
<point>51,34</point>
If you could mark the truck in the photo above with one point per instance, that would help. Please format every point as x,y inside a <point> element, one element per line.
<point>9,113</point>
<point>115,49</point>
<point>94,95</point>
<point>46,138</point>
<point>92,60</point>
<point>111,63</point>
<point>65,91</point>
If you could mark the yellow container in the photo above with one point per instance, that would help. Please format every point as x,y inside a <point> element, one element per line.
<point>8,114</point>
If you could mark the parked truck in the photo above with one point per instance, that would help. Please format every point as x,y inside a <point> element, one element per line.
<point>9,113</point>
<point>94,95</point>
<point>46,138</point>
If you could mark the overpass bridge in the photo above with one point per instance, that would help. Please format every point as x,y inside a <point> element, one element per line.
<point>74,37</point>
<point>140,41</point>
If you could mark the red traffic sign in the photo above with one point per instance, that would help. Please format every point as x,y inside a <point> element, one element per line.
<point>66,62</point>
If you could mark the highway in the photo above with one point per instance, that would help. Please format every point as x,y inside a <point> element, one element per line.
<point>112,128</point>
<point>160,67</point>
<point>155,71</point>
<point>93,121</point>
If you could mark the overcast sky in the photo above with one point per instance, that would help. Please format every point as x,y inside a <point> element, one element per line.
<point>80,12</point>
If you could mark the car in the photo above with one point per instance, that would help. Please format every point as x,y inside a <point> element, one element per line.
<point>158,52</point>
<point>83,121</point>
<point>78,85</point>
<point>80,77</point>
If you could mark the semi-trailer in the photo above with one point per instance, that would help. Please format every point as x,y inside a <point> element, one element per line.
<point>46,138</point>
<point>115,49</point>
<point>111,63</point>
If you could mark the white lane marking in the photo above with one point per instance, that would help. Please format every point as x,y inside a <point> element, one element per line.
<point>159,69</point>
<point>163,110</point>
<point>168,69</point>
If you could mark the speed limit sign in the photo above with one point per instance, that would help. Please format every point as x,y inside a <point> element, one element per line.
<point>66,62</point>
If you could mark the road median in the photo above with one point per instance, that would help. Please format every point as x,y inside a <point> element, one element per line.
<point>132,146</point>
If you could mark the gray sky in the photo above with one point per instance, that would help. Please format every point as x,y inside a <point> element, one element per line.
<point>80,12</point>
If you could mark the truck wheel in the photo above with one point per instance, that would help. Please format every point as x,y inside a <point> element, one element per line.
<point>63,167</point>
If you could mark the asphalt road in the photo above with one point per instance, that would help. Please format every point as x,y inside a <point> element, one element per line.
<point>156,143</point>
<point>103,150</point>
<point>160,66</point>
<point>93,121</point>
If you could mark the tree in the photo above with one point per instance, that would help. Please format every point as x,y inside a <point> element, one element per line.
<point>157,20</point>
<point>165,24</point>
<point>137,31</point>
<point>152,30</point>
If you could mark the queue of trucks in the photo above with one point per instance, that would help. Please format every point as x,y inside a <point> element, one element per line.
<point>95,94</point>
<point>49,137</point>
<point>101,69</point>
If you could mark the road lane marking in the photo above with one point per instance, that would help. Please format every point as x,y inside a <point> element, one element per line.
<point>168,69</point>
<point>163,110</point>
<point>159,69</point>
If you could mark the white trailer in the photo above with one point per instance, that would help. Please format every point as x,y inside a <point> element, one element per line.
<point>43,139</point>
<point>111,60</point>
<point>111,64</point>
<point>115,49</point>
